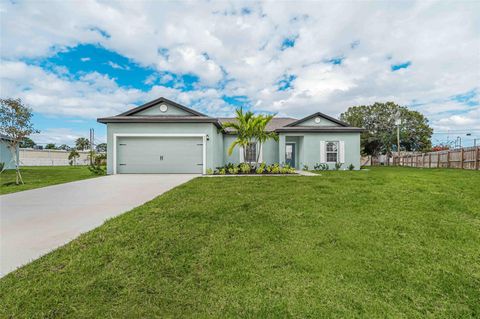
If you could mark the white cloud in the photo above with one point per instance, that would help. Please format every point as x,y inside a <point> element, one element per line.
<point>117,66</point>
<point>92,95</point>
<point>441,40</point>
<point>86,59</point>
<point>59,136</point>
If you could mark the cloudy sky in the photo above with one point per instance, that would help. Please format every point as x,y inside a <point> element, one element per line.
<point>74,61</point>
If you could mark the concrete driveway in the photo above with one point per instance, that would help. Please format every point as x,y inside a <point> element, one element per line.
<point>37,221</point>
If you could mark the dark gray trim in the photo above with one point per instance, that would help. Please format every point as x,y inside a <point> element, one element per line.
<point>159,119</point>
<point>317,129</point>
<point>334,120</point>
<point>161,100</point>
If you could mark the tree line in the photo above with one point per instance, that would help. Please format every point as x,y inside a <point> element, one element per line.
<point>81,144</point>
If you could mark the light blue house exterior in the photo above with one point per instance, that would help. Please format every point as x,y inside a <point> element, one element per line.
<point>165,137</point>
<point>6,156</point>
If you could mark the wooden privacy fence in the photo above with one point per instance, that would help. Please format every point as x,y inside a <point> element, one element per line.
<point>464,158</point>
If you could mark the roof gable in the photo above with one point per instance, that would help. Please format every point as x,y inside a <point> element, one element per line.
<point>318,119</point>
<point>162,107</point>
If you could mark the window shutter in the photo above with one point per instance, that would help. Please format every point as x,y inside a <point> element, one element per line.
<point>322,152</point>
<point>342,151</point>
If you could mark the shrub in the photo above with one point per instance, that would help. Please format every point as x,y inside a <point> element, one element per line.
<point>285,170</point>
<point>260,169</point>
<point>245,168</point>
<point>351,167</point>
<point>209,171</point>
<point>233,170</point>
<point>275,168</point>
<point>321,167</point>
<point>305,167</point>
<point>338,166</point>
<point>99,164</point>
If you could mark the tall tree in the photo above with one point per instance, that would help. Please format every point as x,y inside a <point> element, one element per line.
<point>27,143</point>
<point>379,121</point>
<point>50,146</point>
<point>16,124</point>
<point>101,148</point>
<point>64,147</point>
<point>82,144</point>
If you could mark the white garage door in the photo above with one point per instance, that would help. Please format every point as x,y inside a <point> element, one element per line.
<point>159,155</point>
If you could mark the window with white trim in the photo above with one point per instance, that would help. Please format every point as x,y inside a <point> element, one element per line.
<point>332,152</point>
<point>251,153</point>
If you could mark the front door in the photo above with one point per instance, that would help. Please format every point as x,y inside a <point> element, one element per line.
<point>290,154</point>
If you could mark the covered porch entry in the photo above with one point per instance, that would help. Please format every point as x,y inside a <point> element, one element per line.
<point>291,150</point>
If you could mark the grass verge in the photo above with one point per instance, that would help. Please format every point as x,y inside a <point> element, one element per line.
<point>41,176</point>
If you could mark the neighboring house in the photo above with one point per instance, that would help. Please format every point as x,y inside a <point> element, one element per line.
<point>6,156</point>
<point>165,137</point>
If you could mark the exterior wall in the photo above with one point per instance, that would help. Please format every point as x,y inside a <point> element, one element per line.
<point>269,151</point>
<point>323,122</point>
<point>307,148</point>
<point>309,152</point>
<point>6,155</point>
<point>212,149</point>
<point>155,110</point>
<point>218,141</point>
<point>235,157</point>
<point>32,157</point>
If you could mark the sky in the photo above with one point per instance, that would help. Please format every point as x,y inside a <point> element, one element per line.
<point>75,61</point>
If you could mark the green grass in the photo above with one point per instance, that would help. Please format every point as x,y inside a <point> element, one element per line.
<point>389,242</point>
<point>41,176</point>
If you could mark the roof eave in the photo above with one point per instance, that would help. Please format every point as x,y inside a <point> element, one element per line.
<point>115,119</point>
<point>321,130</point>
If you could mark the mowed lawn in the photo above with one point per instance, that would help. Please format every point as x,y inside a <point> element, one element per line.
<point>41,176</point>
<point>389,242</point>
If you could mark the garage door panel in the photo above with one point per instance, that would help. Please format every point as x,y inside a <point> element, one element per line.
<point>159,155</point>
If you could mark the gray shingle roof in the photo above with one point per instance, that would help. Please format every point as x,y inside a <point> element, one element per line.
<point>304,129</point>
<point>275,123</point>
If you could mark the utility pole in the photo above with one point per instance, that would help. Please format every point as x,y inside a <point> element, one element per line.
<point>398,121</point>
<point>92,137</point>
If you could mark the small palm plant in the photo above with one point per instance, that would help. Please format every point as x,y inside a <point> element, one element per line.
<point>250,128</point>
<point>243,128</point>
<point>73,156</point>
<point>261,134</point>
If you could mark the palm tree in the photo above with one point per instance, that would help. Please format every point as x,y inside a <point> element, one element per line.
<point>261,134</point>
<point>73,156</point>
<point>243,128</point>
<point>249,128</point>
<point>82,143</point>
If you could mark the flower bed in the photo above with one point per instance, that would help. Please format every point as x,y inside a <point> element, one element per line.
<point>249,169</point>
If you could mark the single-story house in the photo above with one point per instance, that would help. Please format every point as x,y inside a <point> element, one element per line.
<point>6,156</point>
<point>162,136</point>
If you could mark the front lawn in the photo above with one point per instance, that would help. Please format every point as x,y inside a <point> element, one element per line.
<point>389,242</point>
<point>41,176</point>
